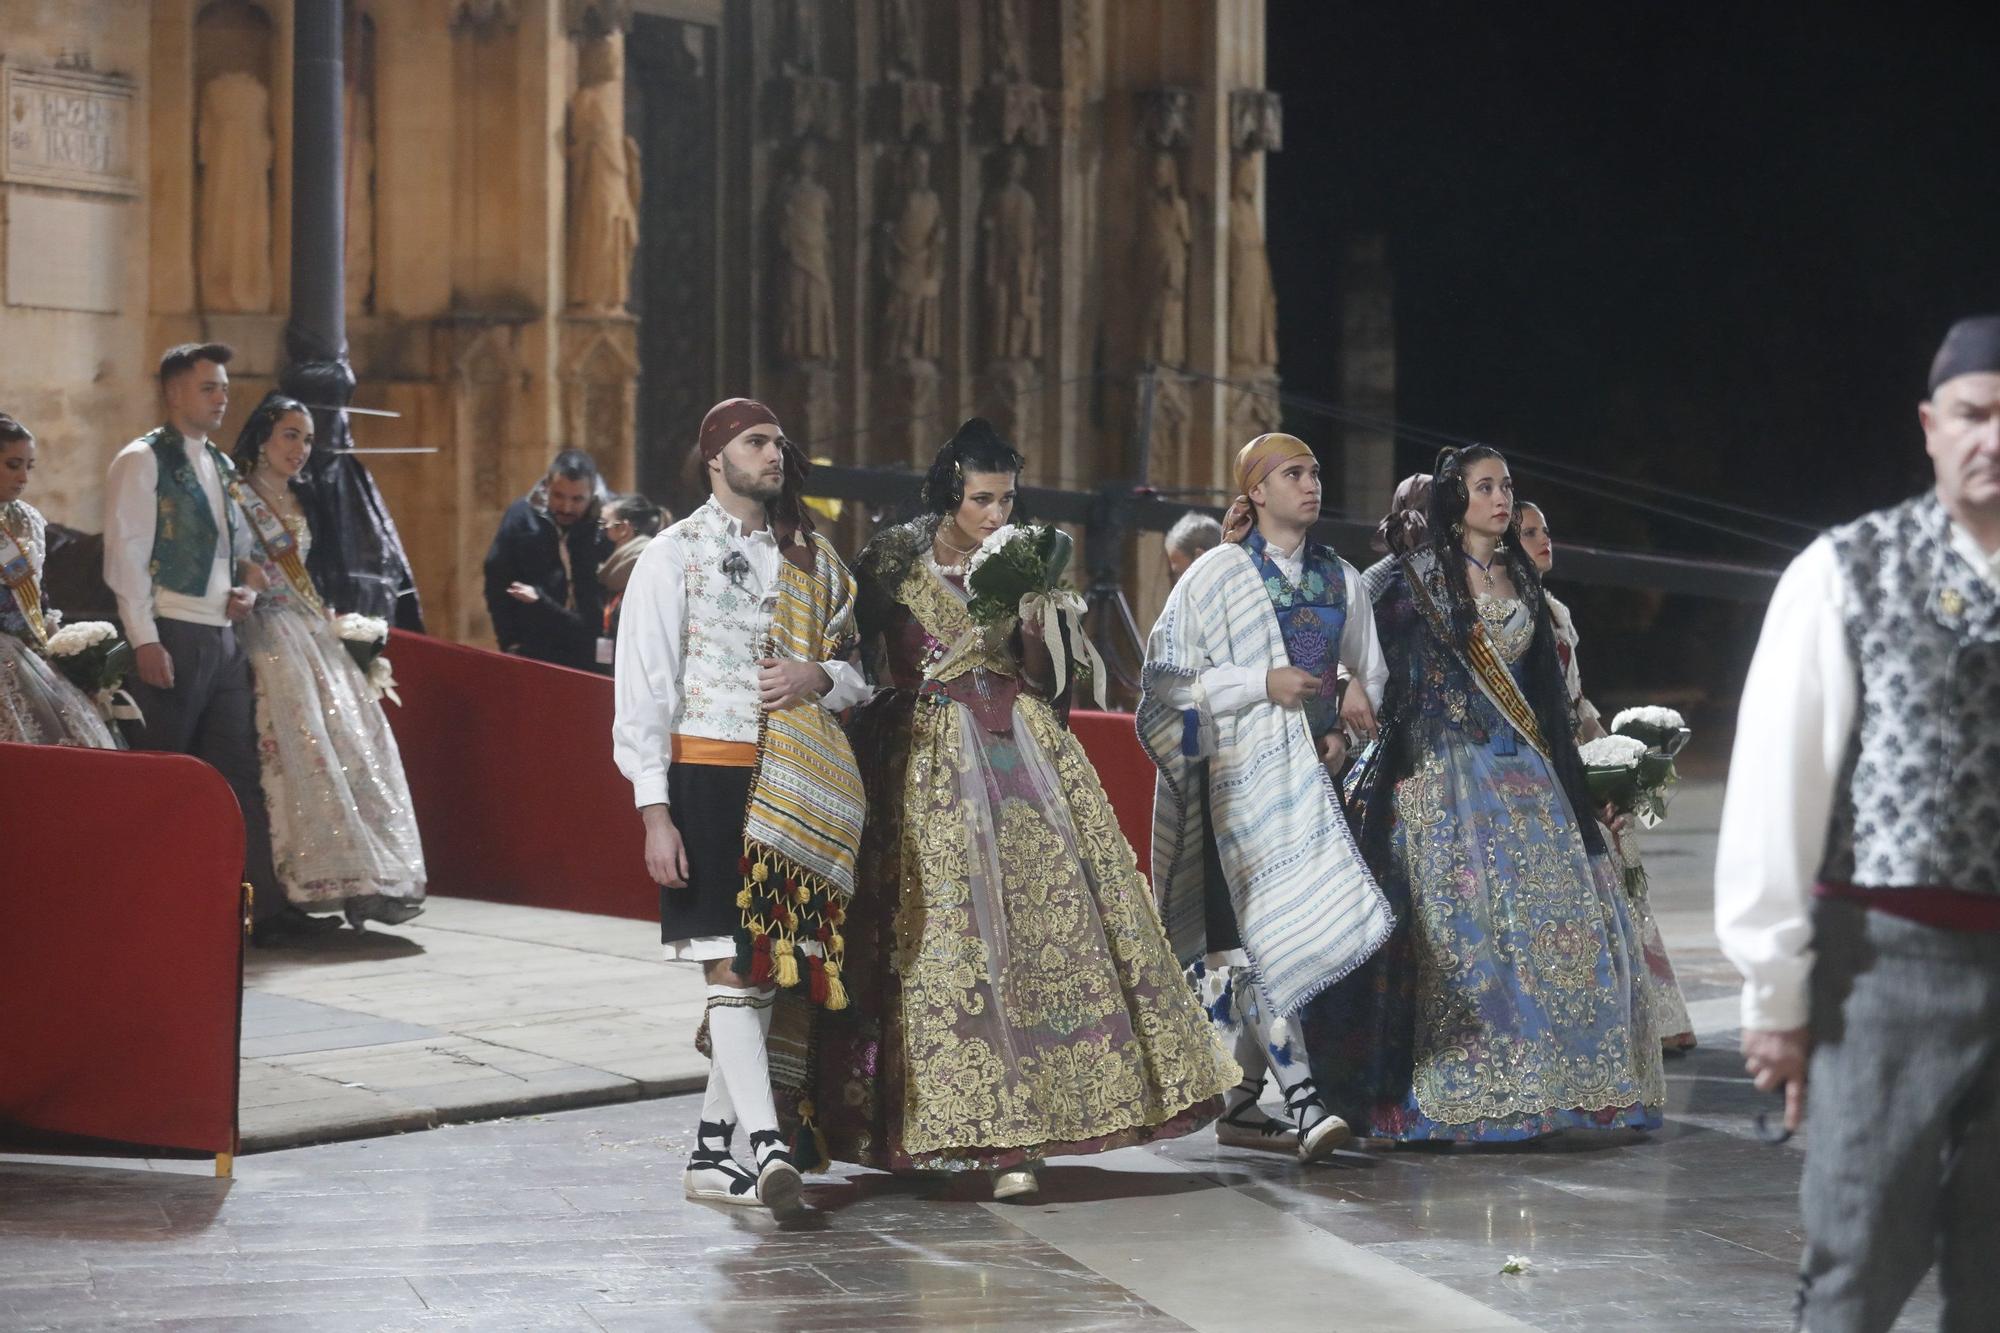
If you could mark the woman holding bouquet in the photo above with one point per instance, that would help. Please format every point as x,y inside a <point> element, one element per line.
<point>343,833</point>
<point>1512,1001</point>
<point>1670,1012</point>
<point>37,705</point>
<point>1014,996</point>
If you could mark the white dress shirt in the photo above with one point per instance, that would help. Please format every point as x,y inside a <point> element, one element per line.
<point>131,514</point>
<point>648,683</point>
<point>1797,719</point>
<point>1231,689</point>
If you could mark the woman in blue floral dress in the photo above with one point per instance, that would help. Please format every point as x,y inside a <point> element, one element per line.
<point>1512,1001</point>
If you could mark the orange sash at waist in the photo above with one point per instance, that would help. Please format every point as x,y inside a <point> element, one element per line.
<point>716,754</point>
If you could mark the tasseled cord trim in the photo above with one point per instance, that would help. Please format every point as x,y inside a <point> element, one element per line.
<point>784,905</point>
<point>809,1151</point>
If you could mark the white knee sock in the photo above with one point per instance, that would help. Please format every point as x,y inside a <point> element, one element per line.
<point>737,1022</point>
<point>1249,1052</point>
<point>716,1108</point>
<point>1287,1062</point>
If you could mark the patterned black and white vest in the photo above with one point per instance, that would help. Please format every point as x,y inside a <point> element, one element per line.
<point>1919,800</point>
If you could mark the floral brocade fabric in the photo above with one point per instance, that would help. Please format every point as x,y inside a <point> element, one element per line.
<point>38,704</point>
<point>343,828</point>
<point>1013,993</point>
<point>1514,999</point>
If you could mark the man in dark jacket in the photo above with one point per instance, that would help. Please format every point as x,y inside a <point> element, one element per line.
<point>541,571</point>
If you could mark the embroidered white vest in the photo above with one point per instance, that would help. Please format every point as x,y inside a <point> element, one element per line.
<point>724,622</point>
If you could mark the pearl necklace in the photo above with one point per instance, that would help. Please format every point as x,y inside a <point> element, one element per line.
<point>955,571</point>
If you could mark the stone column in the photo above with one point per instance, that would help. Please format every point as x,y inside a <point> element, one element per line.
<point>1368,374</point>
<point>357,555</point>
<point>318,327</point>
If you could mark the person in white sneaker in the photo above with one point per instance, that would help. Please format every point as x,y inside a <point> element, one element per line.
<point>1261,672</point>
<point>733,655</point>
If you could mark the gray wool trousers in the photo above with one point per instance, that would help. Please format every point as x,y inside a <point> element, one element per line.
<point>1903,1155</point>
<point>211,713</point>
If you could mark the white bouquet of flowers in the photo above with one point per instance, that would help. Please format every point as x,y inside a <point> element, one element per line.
<point>365,637</point>
<point>93,656</point>
<point>1663,732</point>
<point>1658,728</point>
<point>1611,764</point>
<point>1017,573</point>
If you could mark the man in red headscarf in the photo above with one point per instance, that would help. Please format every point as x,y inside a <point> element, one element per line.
<point>733,655</point>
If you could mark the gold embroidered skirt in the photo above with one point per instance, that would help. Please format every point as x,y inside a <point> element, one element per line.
<point>1014,993</point>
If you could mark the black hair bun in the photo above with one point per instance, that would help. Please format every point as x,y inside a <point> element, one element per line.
<point>976,446</point>
<point>976,436</point>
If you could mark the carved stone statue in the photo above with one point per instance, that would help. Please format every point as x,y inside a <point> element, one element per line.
<point>1011,272</point>
<point>800,43</point>
<point>1165,233</point>
<point>1166,117</point>
<point>1256,121</point>
<point>603,185</point>
<point>913,258</point>
<point>1006,42</point>
<point>233,150</point>
<point>902,38</point>
<point>1253,301</point>
<point>805,262</point>
<point>486,15</point>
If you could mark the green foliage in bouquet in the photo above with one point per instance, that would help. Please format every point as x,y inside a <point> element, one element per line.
<point>1611,767</point>
<point>1663,732</point>
<point>91,655</point>
<point>99,669</point>
<point>1026,561</point>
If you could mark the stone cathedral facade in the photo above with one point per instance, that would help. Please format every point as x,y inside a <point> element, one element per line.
<point>579,222</point>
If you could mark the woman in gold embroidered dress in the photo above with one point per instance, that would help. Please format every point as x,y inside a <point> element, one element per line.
<point>1014,995</point>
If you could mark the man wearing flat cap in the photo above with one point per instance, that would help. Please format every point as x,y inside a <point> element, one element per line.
<point>1857,880</point>
<point>734,653</point>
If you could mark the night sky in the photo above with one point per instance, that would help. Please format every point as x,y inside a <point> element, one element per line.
<point>1708,245</point>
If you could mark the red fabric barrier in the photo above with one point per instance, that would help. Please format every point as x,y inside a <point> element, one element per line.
<point>518,800</point>
<point>1127,771</point>
<point>121,950</point>
<point>510,770</point>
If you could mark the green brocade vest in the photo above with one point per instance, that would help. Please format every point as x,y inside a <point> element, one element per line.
<point>184,534</point>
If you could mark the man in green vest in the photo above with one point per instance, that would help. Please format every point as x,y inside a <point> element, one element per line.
<point>174,547</point>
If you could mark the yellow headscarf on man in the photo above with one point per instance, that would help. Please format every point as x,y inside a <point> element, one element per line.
<point>1254,462</point>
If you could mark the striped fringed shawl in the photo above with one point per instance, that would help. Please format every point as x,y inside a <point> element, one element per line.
<point>803,825</point>
<point>1307,908</point>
